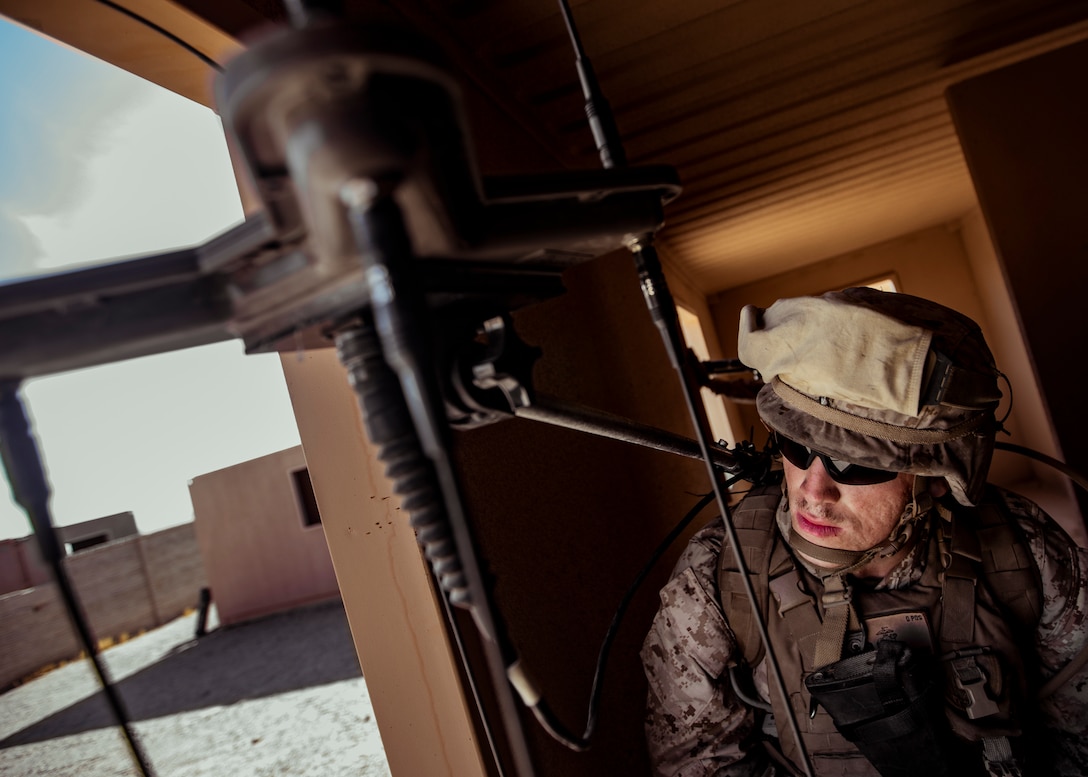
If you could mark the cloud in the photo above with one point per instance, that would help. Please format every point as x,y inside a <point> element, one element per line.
<point>19,248</point>
<point>58,107</point>
<point>55,134</point>
<point>164,181</point>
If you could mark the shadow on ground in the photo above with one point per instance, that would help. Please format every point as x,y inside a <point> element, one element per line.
<point>284,652</point>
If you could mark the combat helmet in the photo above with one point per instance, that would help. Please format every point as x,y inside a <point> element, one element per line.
<point>878,379</point>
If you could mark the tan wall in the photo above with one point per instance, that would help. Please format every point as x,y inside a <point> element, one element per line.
<point>1031,425</point>
<point>564,522</point>
<point>258,554</point>
<point>1030,175</point>
<point>112,527</point>
<point>956,266</point>
<point>21,565</point>
<point>411,674</point>
<point>35,631</point>
<point>124,587</point>
<point>113,587</point>
<point>175,570</point>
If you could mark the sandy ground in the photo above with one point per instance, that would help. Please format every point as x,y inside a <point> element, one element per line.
<point>279,696</point>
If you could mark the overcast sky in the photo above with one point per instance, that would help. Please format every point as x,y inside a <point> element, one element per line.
<point>97,164</point>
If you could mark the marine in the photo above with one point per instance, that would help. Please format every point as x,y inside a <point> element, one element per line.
<point>924,620</point>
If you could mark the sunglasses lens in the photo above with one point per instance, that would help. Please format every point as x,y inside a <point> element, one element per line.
<point>796,453</point>
<point>840,471</point>
<point>854,475</point>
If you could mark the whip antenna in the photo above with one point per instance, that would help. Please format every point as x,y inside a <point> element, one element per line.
<point>601,120</point>
<point>662,309</point>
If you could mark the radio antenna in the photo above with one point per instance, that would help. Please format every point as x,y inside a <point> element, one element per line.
<point>662,308</point>
<point>602,122</point>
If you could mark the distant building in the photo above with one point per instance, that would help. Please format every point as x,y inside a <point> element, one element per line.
<point>21,563</point>
<point>261,537</point>
<point>80,536</point>
<point>125,582</point>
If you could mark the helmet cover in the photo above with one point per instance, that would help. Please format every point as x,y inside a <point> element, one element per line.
<point>878,379</point>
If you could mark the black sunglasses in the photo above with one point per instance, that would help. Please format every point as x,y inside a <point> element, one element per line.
<point>801,456</point>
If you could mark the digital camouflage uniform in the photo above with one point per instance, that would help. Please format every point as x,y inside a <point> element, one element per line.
<point>696,726</point>
<point>884,383</point>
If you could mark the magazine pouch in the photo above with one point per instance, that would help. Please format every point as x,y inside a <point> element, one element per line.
<point>887,703</point>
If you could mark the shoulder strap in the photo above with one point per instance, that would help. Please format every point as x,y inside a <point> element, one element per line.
<point>988,536</point>
<point>985,538</point>
<point>1008,565</point>
<point>754,520</point>
<point>984,544</point>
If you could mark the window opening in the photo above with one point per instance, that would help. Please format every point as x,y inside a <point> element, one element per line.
<point>714,404</point>
<point>886,283</point>
<point>307,501</point>
<point>87,542</point>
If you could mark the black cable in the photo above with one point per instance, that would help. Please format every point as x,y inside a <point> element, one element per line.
<point>165,33</point>
<point>1061,466</point>
<point>743,695</point>
<point>662,309</point>
<point>543,714</point>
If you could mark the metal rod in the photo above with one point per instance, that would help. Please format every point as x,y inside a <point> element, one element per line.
<point>557,412</point>
<point>662,309</point>
<point>400,319</point>
<point>663,312</point>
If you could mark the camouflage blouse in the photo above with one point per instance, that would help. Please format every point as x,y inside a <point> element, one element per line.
<point>697,727</point>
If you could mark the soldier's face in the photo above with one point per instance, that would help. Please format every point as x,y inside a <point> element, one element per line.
<point>834,515</point>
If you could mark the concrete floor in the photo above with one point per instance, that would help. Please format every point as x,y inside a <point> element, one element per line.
<point>278,696</point>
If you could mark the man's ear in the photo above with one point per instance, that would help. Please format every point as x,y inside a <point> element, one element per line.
<point>938,487</point>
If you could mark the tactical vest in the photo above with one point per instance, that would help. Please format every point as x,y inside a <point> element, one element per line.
<point>977,604</point>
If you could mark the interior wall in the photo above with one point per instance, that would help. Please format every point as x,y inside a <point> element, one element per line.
<point>931,263</point>
<point>395,620</point>
<point>566,521</point>
<point>688,294</point>
<point>1022,128</point>
<point>951,265</point>
<point>1052,490</point>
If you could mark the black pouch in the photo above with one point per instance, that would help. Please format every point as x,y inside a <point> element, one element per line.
<point>886,701</point>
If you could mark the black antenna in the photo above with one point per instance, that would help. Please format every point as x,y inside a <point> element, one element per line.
<point>30,490</point>
<point>602,122</point>
<point>662,308</point>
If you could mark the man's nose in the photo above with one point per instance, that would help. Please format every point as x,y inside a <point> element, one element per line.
<point>817,485</point>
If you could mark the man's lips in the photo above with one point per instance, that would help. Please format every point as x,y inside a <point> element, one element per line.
<point>812,527</point>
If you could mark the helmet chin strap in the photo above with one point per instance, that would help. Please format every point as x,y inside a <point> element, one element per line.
<point>843,562</point>
<point>839,612</point>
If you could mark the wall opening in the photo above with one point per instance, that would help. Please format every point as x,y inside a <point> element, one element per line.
<point>307,502</point>
<point>715,406</point>
<point>86,542</point>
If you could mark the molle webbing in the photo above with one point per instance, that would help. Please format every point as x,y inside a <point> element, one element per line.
<point>1004,564</point>
<point>983,536</point>
<point>984,540</point>
<point>755,526</point>
<point>1009,568</point>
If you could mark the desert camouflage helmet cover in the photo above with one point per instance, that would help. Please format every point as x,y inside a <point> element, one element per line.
<point>878,379</point>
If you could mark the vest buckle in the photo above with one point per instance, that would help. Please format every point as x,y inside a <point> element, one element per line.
<point>971,680</point>
<point>835,597</point>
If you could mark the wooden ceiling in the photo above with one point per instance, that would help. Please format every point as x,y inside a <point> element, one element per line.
<point>801,129</point>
